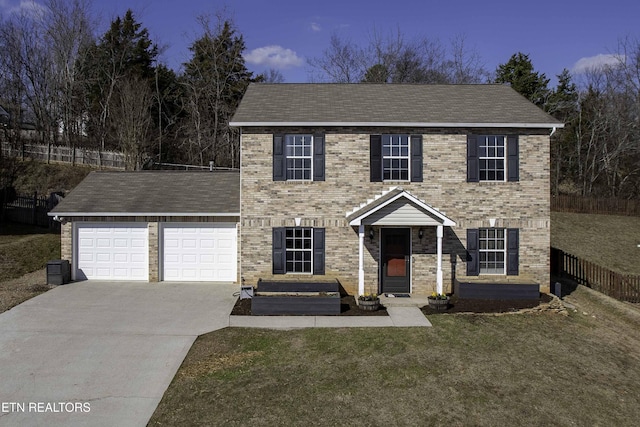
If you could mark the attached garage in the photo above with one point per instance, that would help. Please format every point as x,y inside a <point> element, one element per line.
<point>199,252</point>
<point>152,226</point>
<point>108,251</point>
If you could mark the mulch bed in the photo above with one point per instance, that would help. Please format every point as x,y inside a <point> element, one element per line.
<point>348,306</point>
<point>488,306</point>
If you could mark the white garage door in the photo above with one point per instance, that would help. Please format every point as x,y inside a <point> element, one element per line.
<point>112,251</point>
<point>200,252</point>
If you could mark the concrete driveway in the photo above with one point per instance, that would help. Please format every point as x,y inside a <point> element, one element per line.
<point>101,354</point>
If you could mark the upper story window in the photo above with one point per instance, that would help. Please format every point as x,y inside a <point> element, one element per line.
<point>298,157</point>
<point>396,157</point>
<point>299,150</point>
<point>492,158</point>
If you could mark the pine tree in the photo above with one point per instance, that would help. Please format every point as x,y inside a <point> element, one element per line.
<point>519,72</point>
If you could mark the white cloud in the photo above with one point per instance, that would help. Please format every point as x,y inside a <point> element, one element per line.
<point>24,6</point>
<point>274,56</point>
<point>316,27</point>
<point>594,62</point>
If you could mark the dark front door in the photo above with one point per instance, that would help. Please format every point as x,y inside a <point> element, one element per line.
<point>395,249</point>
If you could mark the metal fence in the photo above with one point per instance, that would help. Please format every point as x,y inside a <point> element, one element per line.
<point>624,287</point>
<point>64,154</point>
<point>31,209</point>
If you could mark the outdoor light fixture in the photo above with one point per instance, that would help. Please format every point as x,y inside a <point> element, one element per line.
<point>371,234</point>
<point>421,233</point>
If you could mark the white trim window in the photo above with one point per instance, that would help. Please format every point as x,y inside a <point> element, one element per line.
<point>396,158</point>
<point>492,158</point>
<point>492,245</point>
<point>299,154</point>
<point>299,250</point>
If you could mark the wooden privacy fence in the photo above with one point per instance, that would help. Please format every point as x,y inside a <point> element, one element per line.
<point>30,210</point>
<point>604,206</point>
<point>624,287</point>
<point>64,154</point>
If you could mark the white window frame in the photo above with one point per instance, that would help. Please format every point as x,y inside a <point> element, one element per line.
<point>484,142</point>
<point>298,250</point>
<point>293,157</point>
<point>388,139</point>
<point>495,250</point>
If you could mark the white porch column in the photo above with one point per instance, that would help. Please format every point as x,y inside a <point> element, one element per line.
<point>361,260</point>
<point>439,271</point>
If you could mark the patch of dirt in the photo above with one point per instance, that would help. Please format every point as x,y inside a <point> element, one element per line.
<point>16,291</point>
<point>348,307</point>
<point>457,305</point>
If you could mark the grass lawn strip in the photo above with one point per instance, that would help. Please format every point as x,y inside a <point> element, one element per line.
<point>607,240</point>
<point>533,369</point>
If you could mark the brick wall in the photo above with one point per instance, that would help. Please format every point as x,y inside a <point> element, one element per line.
<point>266,204</point>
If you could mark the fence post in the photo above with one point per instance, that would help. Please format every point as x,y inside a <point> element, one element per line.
<point>34,209</point>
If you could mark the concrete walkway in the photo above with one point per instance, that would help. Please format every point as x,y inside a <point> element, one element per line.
<point>405,315</point>
<point>109,348</point>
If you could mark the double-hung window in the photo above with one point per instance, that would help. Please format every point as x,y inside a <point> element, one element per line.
<point>493,251</point>
<point>298,250</point>
<point>492,158</point>
<point>299,149</point>
<point>298,157</point>
<point>396,157</point>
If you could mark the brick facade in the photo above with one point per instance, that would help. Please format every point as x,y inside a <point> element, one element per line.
<point>266,204</point>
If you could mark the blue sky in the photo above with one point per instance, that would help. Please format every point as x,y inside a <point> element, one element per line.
<point>282,34</point>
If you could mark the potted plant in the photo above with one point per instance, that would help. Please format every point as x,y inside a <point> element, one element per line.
<point>369,302</point>
<point>438,302</point>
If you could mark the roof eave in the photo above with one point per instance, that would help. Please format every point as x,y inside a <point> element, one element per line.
<point>401,124</point>
<point>123,214</point>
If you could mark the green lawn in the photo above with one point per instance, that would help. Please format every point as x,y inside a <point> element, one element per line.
<point>608,240</point>
<point>25,248</point>
<point>534,369</point>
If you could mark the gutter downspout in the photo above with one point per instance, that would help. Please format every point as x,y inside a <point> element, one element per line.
<point>553,130</point>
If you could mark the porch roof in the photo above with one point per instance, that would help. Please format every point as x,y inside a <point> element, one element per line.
<point>397,207</point>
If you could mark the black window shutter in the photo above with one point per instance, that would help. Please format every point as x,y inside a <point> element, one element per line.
<point>318,251</point>
<point>513,258</point>
<point>376,158</point>
<point>473,173</point>
<point>416,158</point>
<point>473,254</point>
<point>278,250</point>
<point>513,159</point>
<point>279,159</point>
<point>318,157</point>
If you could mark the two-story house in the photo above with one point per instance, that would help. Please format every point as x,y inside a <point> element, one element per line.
<point>394,188</point>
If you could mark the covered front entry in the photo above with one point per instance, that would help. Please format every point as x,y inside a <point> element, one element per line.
<point>395,213</point>
<point>395,260</point>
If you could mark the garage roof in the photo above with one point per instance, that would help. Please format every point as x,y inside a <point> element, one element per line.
<point>154,193</point>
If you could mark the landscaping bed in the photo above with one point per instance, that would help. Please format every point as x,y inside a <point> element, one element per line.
<point>460,305</point>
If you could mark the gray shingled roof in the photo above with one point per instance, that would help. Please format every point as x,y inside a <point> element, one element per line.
<point>301,104</point>
<point>154,193</point>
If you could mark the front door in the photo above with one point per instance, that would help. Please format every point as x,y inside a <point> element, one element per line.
<point>395,246</point>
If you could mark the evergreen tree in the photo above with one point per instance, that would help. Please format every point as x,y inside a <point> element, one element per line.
<point>519,72</point>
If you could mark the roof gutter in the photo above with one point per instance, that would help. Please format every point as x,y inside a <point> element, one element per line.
<point>401,124</point>
<point>61,216</point>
